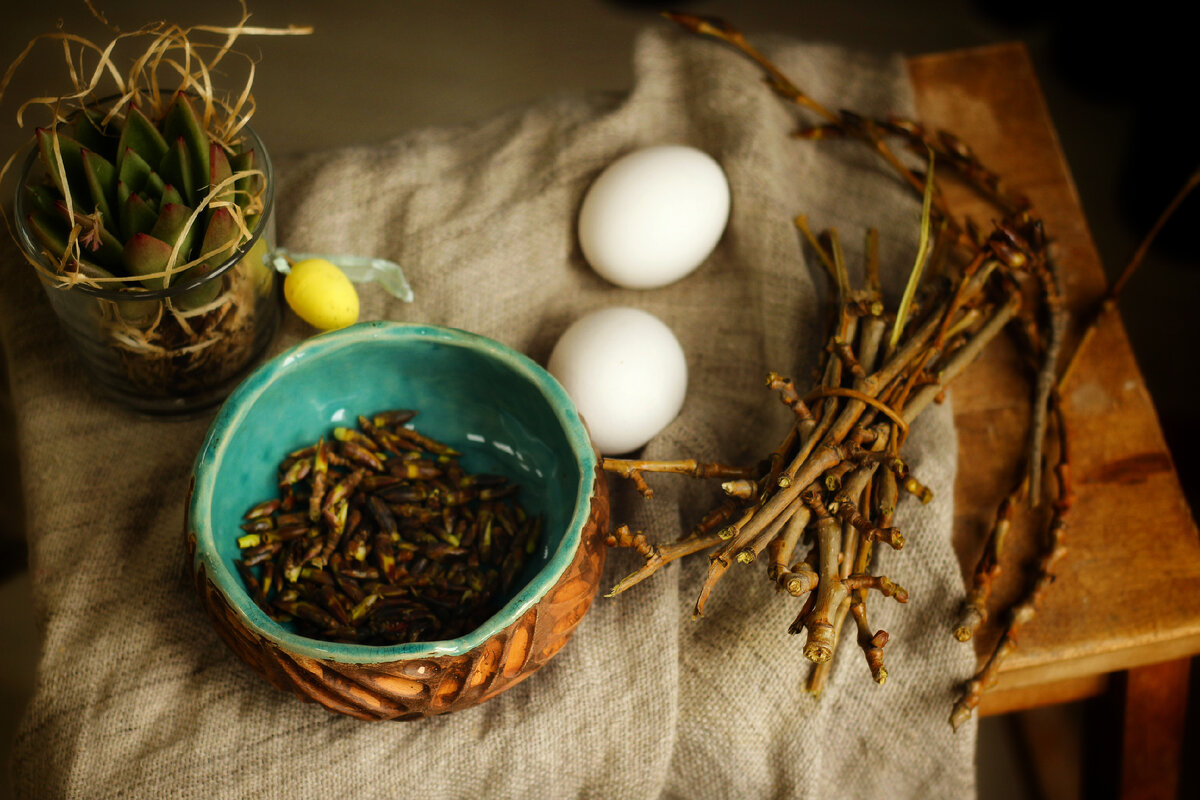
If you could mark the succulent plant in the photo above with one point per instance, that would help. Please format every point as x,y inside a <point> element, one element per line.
<point>143,192</point>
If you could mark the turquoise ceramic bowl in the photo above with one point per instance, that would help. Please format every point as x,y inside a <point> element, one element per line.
<point>501,410</point>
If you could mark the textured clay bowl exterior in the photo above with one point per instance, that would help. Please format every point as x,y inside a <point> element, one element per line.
<point>506,414</point>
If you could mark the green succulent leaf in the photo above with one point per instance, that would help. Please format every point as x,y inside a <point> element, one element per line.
<point>70,149</point>
<point>155,185</point>
<point>90,131</point>
<point>91,270</point>
<point>220,170</point>
<point>41,197</point>
<point>146,255</point>
<point>140,136</point>
<point>139,313</point>
<point>49,230</point>
<point>170,194</point>
<point>52,233</point>
<point>138,217</point>
<point>171,227</point>
<point>202,295</point>
<point>102,183</point>
<point>103,247</point>
<point>133,183</point>
<point>220,237</point>
<point>133,170</point>
<point>181,122</point>
<point>241,162</point>
<point>176,169</point>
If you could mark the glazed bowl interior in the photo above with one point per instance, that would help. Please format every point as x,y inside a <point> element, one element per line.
<point>502,411</point>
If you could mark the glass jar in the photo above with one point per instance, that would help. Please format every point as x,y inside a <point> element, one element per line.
<point>173,350</point>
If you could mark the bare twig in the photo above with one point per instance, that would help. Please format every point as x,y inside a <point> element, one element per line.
<point>824,478</point>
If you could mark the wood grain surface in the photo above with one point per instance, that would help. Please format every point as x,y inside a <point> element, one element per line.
<point>1123,597</point>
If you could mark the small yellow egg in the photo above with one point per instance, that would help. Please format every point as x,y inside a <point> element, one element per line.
<point>321,294</point>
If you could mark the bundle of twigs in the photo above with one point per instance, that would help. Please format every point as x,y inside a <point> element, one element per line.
<point>835,479</point>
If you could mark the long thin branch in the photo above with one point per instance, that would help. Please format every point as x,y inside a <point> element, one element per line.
<point>633,469</point>
<point>855,421</point>
<point>974,612</point>
<point>1046,377</point>
<point>657,556</point>
<point>1052,552</point>
<point>1109,303</point>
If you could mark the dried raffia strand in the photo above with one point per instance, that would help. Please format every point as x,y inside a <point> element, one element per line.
<point>825,477</point>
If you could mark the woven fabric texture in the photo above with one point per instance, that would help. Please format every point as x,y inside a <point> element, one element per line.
<point>136,695</point>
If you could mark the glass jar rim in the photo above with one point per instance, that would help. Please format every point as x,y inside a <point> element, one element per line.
<point>32,250</point>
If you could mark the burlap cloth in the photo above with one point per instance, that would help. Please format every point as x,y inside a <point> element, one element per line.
<point>137,697</point>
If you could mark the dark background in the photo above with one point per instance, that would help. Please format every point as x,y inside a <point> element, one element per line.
<point>1120,86</point>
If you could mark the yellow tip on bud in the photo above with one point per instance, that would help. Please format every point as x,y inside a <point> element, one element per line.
<point>817,653</point>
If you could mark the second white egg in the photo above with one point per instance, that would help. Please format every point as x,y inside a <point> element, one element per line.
<point>654,215</point>
<point>626,372</point>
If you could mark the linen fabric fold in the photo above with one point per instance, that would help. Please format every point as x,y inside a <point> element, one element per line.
<point>136,694</point>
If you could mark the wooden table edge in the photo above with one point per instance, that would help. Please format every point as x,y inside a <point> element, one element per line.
<point>1072,677</point>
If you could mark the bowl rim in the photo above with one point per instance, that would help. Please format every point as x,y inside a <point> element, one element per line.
<point>234,411</point>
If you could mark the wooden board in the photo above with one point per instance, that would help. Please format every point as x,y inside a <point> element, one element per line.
<point>1124,595</point>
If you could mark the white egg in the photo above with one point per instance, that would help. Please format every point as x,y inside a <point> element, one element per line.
<point>626,372</point>
<point>654,215</point>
